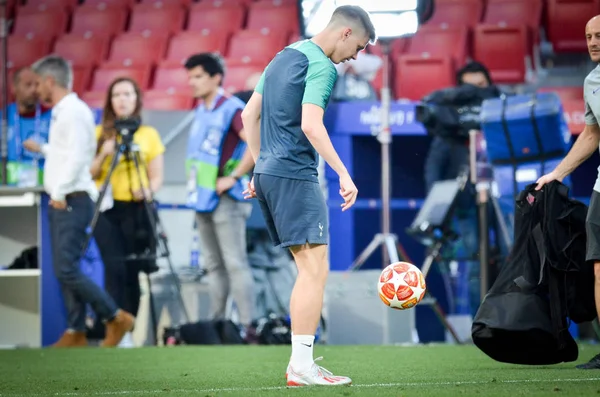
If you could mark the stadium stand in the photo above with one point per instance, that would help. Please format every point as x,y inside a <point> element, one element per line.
<point>150,39</point>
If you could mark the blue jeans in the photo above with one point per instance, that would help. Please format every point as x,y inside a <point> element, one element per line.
<point>67,235</point>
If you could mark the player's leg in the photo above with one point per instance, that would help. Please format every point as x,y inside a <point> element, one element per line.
<point>593,254</point>
<point>212,261</point>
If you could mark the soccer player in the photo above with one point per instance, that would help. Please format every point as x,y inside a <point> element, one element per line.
<point>284,125</point>
<point>587,142</point>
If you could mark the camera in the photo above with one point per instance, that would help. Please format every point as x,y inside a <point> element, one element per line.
<point>452,112</point>
<point>126,127</point>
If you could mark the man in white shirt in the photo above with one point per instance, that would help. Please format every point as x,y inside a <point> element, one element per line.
<point>67,179</point>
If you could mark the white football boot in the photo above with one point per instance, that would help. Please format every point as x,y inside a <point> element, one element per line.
<point>316,375</point>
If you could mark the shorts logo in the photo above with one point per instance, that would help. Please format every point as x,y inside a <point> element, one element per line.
<point>320,228</point>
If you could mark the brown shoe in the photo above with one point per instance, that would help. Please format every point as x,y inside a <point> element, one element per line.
<point>72,339</point>
<point>117,328</point>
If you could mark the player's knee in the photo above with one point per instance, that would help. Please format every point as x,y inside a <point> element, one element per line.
<point>597,272</point>
<point>311,261</point>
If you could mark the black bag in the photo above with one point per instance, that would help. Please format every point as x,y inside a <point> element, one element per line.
<point>546,282</point>
<point>218,332</point>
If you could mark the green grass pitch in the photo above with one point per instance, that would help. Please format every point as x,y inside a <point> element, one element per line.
<point>423,371</point>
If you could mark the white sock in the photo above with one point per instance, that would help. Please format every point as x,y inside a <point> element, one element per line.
<point>302,353</point>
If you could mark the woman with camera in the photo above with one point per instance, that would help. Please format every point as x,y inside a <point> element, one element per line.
<point>124,233</point>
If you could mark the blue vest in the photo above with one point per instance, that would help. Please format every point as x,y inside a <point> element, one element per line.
<point>205,146</point>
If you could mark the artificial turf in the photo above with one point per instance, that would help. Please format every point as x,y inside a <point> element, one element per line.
<point>424,371</point>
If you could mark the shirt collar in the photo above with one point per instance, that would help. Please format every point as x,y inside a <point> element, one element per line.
<point>64,101</point>
<point>220,93</point>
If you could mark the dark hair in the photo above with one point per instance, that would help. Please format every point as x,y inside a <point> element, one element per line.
<point>473,67</point>
<point>356,14</point>
<point>108,113</point>
<point>211,63</point>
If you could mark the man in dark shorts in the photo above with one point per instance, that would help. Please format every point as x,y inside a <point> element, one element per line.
<point>587,142</point>
<point>284,125</point>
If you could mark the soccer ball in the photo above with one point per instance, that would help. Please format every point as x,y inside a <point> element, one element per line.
<point>401,285</point>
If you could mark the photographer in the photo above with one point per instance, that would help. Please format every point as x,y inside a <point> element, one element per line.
<point>449,115</point>
<point>123,229</point>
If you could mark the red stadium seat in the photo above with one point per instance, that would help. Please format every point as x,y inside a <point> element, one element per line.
<point>138,48</point>
<point>397,47</point>
<point>254,47</point>
<point>24,51</point>
<point>277,19</point>
<point>185,44</point>
<point>438,41</point>
<point>94,99</point>
<point>236,76</point>
<point>457,13</point>
<point>223,3</point>
<point>47,23</point>
<point>184,3</point>
<point>228,18</point>
<point>170,77</point>
<point>106,73</point>
<point>156,18</point>
<point>82,76</point>
<point>566,22</point>
<point>110,3</point>
<point>82,50</point>
<point>98,20</point>
<point>516,13</point>
<point>33,6</point>
<point>503,51</point>
<point>165,100</point>
<point>276,3</point>
<point>418,76</point>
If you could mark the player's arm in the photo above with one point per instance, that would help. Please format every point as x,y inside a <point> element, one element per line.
<point>247,161</point>
<point>251,119</point>
<point>585,145</point>
<point>315,131</point>
<point>319,84</point>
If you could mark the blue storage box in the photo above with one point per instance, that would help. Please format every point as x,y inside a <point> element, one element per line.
<point>525,128</point>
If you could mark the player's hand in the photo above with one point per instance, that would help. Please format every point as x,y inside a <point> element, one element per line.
<point>143,193</point>
<point>58,205</point>
<point>32,146</point>
<point>250,193</point>
<point>348,191</point>
<point>552,176</point>
<point>225,183</point>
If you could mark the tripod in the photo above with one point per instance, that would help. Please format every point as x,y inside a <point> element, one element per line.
<point>385,239</point>
<point>126,128</point>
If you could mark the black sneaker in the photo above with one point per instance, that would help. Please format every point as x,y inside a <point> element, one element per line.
<point>594,363</point>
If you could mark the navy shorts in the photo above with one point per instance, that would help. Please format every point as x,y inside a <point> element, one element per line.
<point>592,226</point>
<point>295,211</point>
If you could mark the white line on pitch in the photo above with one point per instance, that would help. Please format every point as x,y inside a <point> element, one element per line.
<point>269,388</point>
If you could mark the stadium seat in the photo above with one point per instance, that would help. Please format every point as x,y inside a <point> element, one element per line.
<point>170,77</point>
<point>503,51</point>
<point>397,47</point>
<point>224,3</point>
<point>184,44</point>
<point>23,50</point>
<point>138,48</point>
<point>184,3</point>
<point>94,99</point>
<point>566,20</point>
<point>110,3</point>
<point>227,18</point>
<point>50,24</point>
<point>33,6</point>
<point>237,75</point>
<point>82,76</point>
<point>82,50</point>
<point>167,100</point>
<point>417,76</point>
<point>438,41</point>
<point>156,18</point>
<point>106,73</point>
<point>516,13</point>
<point>99,20</point>
<point>457,13</point>
<point>255,48</point>
<point>277,19</point>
